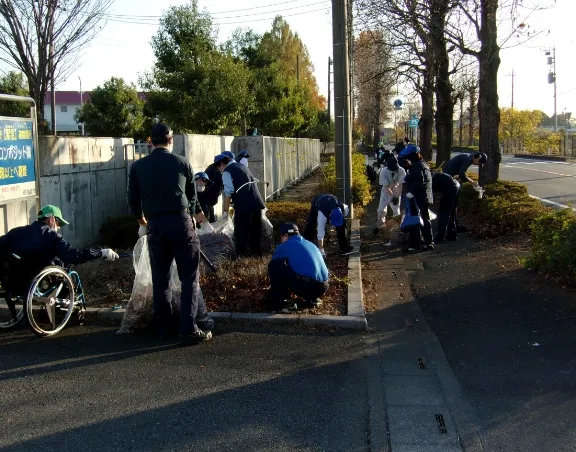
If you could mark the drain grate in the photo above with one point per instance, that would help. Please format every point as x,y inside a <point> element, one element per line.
<point>441,424</point>
<point>422,363</point>
<point>409,324</point>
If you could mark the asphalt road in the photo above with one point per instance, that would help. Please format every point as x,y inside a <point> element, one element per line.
<point>248,389</point>
<point>550,181</point>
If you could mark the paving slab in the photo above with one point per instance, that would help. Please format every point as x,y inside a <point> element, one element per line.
<point>412,390</point>
<point>419,426</point>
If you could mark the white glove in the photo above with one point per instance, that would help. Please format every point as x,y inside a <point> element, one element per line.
<point>224,215</point>
<point>409,195</point>
<point>142,231</point>
<point>322,252</point>
<point>109,255</point>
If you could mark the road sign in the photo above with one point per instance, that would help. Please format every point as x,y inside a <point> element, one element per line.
<point>17,158</point>
<point>397,103</point>
<point>413,122</point>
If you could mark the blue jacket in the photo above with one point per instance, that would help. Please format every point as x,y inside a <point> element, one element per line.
<point>303,258</point>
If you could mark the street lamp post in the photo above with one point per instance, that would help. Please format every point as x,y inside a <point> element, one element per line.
<point>552,79</point>
<point>81,103</point>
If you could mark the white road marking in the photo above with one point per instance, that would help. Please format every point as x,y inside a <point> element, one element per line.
<point>542,171</point>
<point>553,203</point>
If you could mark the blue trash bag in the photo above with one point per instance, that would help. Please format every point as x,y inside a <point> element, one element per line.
<point>412,219</point>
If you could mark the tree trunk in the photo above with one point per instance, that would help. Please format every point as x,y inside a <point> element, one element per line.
<point>488,110</point>
<point>426,122</point>
<point>471,114</point>
<point>444,100</point>
<point>461,124</point>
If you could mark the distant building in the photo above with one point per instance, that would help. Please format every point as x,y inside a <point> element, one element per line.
<point>67,102</point>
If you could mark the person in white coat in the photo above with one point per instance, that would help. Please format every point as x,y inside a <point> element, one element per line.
<point>243,158</point>
<point>391,179</point>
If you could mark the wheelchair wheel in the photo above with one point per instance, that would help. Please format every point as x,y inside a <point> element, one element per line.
<point>11,311</point>
<point>50,301</point>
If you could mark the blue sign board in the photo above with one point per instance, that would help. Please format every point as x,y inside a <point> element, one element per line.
<point>413,123</point>
<point>17,159</point>
<point>397,103</point>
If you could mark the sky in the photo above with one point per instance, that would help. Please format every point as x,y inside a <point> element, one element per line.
<point>122,49</point>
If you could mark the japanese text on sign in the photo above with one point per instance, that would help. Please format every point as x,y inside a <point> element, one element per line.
<point>17,159</point>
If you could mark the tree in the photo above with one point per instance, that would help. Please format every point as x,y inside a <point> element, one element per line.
<point>14,83</point>
<point>373,82</point>
<point>194,86</point>
<point>32,29</point>
<point>321,128</point>
<point>112,110</point>
<point>483,18</point>
<point>285,102</point>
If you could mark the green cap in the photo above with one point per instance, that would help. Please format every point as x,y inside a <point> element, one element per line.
<point>51,211</point>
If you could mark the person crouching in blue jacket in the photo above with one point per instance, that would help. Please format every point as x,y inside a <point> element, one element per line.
<point>296,267</point>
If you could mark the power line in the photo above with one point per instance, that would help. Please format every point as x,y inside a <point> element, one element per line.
<point>154,19</point>
<point>211,13</point>
<point>222,23</point>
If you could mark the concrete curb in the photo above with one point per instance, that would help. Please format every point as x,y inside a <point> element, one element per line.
<point>106,316</point>
<point>552,158</point>
<point>355,320</point>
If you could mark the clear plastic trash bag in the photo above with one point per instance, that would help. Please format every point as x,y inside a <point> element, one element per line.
<point>215,242</point>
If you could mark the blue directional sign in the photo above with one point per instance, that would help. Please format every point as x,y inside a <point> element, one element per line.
<point>17,159</point>
<point>397,103</point>
<point>413,123</point>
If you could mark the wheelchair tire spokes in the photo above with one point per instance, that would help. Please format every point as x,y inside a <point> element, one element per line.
<point>11,312</point>
<point>48,313</point>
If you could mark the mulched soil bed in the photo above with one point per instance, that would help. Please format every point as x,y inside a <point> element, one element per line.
<point>239,286</point>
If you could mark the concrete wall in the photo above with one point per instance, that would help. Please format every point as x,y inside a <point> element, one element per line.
<point>280,162</point>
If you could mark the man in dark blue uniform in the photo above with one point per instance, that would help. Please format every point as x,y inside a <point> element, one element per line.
<point>39,245</point>
<point>211,194</point>
<point>449,190</point>
<point>327,208</point>
<point>296,267</point>
<point>161,195</point>
<point>241,188</point>
<point>458,165</point>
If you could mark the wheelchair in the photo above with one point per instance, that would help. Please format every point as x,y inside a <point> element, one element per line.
<point>47,301</point>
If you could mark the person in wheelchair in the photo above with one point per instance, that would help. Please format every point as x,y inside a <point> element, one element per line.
<point>38,245</point>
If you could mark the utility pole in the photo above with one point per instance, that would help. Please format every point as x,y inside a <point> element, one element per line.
<point>512,110</point>
<point>329,87</point>
<point>555,114</point>
<point>512,75</point>
<point>343,138</point>
<point>552,79</point>
<point>81,102</point>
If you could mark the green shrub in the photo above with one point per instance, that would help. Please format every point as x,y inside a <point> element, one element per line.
<point>553,248</point>
<point>288,212</point>
<point>505,207</point>
<point>120,232</point>
<point>361,189</point>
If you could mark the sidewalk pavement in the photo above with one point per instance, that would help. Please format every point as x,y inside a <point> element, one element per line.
<point>426,410</point>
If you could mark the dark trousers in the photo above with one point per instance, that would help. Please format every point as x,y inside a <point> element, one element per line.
<point>174,238</point>
<point>208,212</point>
<point>426,230</point>
<point>311,229</point>
<point>447,213</point>
<point>284,281</point>
<point>247,232</point>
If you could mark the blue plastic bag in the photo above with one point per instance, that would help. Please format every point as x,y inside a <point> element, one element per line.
<point>412,219</point>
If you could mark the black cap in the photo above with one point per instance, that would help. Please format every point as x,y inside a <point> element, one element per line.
<point>288,228</point>
<point>483,158</point>
<point>161,131</point>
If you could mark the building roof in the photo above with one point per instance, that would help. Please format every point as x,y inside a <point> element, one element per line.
<point>73,97</point>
